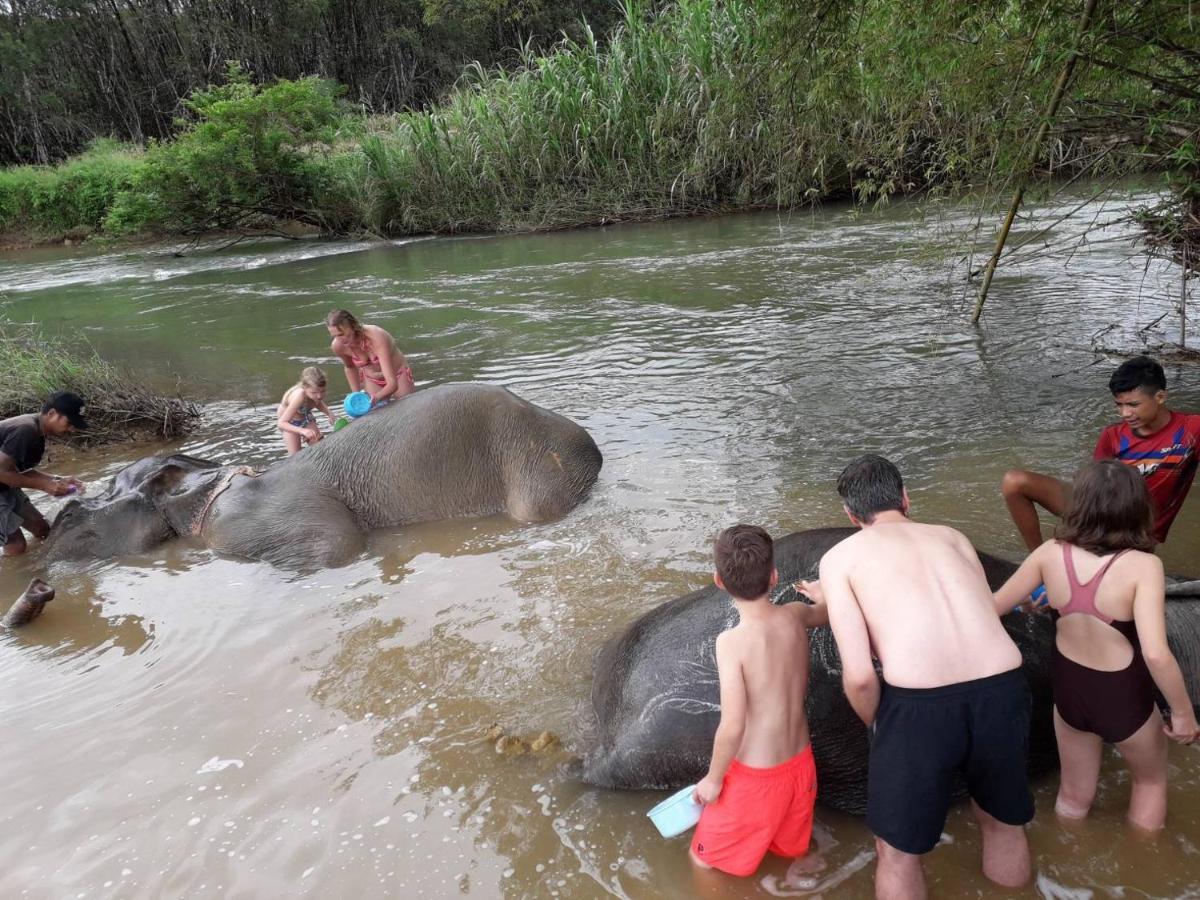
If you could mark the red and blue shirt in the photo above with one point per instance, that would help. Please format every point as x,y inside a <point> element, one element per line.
<point>1167,459</point>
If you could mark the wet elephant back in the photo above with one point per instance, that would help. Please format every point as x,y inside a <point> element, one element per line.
<point>656,692</point>
<point>457,450</point>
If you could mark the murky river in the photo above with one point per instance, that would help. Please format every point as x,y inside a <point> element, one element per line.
<point>181,724</point>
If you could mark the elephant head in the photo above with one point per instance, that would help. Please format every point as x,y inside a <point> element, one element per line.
<point>148,502</point>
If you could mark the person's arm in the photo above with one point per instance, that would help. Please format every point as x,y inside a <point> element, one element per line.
<point>1021,583</point>
<point>859,680</point>
<point>53,485</point>
<point>353,376</point>
<point>291,410</point>
<point>1150,619</point>
<point>390,360</point>
<point>328,414</point>
<point>728,739</point>
<point>817,614</point>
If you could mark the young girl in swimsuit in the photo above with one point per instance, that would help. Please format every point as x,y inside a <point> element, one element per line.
<point>296,419</point>
<point>370,357</point>
<point>1105,587</point>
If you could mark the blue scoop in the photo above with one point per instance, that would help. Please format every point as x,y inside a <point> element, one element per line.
<point>357,404</point>
<point>676,814</point>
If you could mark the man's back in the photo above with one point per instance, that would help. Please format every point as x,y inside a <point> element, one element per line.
<point>771,649</point>
<point>926,604</point>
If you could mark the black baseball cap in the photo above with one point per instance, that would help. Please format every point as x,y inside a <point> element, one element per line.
<point>70,405</point>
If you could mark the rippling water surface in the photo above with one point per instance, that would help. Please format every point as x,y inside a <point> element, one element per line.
<point>185,724</point>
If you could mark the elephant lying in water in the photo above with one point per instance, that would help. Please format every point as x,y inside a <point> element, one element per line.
<point>455,450</point>
<point>656,698</point>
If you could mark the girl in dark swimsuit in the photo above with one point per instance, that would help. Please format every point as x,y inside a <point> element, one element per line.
<point>1105,587</point>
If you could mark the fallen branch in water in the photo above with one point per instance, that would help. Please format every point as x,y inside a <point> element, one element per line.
<point>118,406</point>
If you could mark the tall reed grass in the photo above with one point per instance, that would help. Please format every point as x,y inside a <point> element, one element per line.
<point>671,116</point>
<point>678,112</point>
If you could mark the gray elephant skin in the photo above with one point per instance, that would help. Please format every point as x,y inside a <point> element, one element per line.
<point>456,450</point>
<point>657,704</point>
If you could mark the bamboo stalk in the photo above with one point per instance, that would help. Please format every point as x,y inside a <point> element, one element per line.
<point>1060,88</point>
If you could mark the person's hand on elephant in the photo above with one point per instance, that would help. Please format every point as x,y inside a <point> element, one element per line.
<point>1182,727</point>
<point>810,589</point>
<point>707,791</point>
<point>57,486</point>
<point>312,433</point>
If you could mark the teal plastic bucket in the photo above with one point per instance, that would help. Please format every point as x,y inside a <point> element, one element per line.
<point>357,404</point>
<point>676,814</point>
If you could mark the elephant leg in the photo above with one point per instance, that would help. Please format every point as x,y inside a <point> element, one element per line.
<point>291,527</point>
<point>548,486</point>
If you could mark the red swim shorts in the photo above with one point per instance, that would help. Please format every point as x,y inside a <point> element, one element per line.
<point>759,810</point>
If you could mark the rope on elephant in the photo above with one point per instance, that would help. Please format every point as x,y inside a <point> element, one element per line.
<point>226,480</point>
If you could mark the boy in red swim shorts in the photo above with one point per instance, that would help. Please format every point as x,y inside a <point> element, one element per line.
<point>760,788</point>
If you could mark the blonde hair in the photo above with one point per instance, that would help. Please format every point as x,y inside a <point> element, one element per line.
<point>340,317</point>
<point>312,377</point>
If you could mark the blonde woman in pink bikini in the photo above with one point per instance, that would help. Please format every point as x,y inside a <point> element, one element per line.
<point>370,357</point>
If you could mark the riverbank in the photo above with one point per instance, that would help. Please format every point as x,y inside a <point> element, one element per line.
<point>118,407</point>
<point>686,112</point>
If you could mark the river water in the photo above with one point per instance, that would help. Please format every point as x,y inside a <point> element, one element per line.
<point>182,724</point>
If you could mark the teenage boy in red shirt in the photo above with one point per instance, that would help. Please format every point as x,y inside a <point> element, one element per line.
<point>1163,444</point>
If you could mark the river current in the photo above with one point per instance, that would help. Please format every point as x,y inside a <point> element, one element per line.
<point>185,724</point>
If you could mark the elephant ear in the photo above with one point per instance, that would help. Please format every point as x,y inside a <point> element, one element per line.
<point>166,480</point>
<point>134,477</point>
<point>181,492</point>
<point>144,505</point>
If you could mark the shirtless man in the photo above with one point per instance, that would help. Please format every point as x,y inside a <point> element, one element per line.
<point>953,698</point>
<point>761,784</point>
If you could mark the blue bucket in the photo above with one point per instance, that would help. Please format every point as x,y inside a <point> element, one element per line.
<point>677,813</point>
<point>357,404</point>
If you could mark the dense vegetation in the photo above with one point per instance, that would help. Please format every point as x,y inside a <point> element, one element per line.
<point>706,105</point>
<point>74,70</point>
<point>118,406</point>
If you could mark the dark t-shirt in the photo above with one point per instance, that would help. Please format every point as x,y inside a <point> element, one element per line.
<point>21,440</point>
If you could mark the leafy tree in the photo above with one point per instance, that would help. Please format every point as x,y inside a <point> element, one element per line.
<point>245,153</point>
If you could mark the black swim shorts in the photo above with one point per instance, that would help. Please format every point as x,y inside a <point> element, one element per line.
<point>924,738</point>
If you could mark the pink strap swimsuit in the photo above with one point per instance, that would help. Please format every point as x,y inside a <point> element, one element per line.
<point>1112,705</point>
<point>403,373</point>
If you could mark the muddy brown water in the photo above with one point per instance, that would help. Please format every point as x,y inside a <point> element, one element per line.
<point>182,724</point>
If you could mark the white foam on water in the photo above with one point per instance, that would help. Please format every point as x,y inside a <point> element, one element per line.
<point>216,764</point>
<point>1050,889</point>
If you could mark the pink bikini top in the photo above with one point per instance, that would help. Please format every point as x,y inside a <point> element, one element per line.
<point>1083,596</point>
<point>371,360</point>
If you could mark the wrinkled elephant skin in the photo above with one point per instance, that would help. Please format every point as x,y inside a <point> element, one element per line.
<point>656,699</point>
<point>456,450</point>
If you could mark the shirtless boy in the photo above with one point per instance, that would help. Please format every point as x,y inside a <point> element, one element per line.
<point>760,788</point>
<point>1162,444</point>
<point>953,698</point>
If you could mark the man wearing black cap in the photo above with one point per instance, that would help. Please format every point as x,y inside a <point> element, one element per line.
<point>22,443</point>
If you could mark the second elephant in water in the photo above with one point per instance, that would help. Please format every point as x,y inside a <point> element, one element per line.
<point>656,696</point>
<point>455,450</point>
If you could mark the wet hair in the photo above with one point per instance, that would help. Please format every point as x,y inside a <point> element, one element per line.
<point>340,317</point>
<point>312,377</point>
<point>1109,510</point>
<point>1142,373</point>
<point>745,559</point>
<point>870,485</point>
